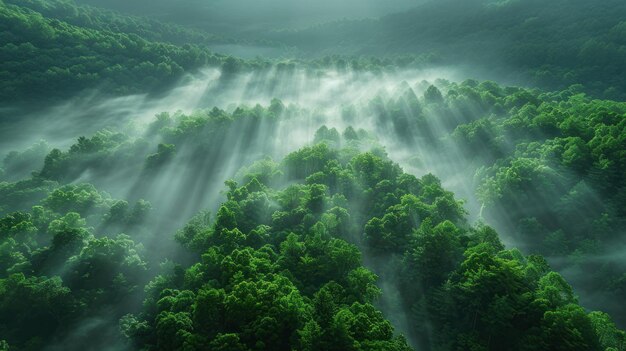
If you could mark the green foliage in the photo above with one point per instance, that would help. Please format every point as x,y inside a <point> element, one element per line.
<point>282,267</point>
<point>571,42</point>
<point>101,19</point>
<point>34,309</point>
<point>49,58</point>
<point>165,152</point>
<point>292,280</point>
<point>54,272</point>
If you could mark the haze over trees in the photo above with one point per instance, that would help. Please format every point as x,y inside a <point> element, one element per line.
<point>357,186</point>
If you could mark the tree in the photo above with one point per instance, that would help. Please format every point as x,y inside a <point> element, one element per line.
<point>433,95</point>
<point>435,253</point>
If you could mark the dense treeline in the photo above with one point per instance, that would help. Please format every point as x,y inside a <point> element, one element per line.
<point>45,58</point>
<point>275,271</point>
<point>58,247</point>
<point>548,167</point>
<point>58,271</point>
<point>556,168</point>
<point>112,243</point>
<point>567,42</point>
<point>278,267</point>
<point>552,47</point>
<point>278,272</point>
<point>55,50</point>
<point>102,19</point>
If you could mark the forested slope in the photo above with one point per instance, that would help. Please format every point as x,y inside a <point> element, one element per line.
<point>550,45</point>
<point>106,20</point>
<point>280,267</point>
<point>328,203</point>
<point>46,56</point>
<point>285,253</point>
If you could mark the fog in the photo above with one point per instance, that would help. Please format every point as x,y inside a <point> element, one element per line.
<point>386,71</point>
<point>320,98</point>
<point>235,17</point>
<point>193,180</point>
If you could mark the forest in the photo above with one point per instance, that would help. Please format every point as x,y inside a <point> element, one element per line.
<point>237,176</point>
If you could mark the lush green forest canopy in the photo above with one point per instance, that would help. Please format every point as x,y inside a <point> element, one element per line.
<point>280,268</point>
<point>45,58</point>
<point>552,45</point>
<point>351,191</point>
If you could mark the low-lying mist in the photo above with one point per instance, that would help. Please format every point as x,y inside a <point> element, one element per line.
<point>313,98</point>
<point>308,106</point>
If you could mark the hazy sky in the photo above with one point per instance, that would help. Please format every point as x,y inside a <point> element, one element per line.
<point>251,14</point>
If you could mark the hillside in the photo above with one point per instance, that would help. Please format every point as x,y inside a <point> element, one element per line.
<point>567,42</point>
<point>363,187</point>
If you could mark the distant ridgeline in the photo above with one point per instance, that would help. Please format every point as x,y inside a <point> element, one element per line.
<point>55,49</point>
<point>52,50</point>
<point>335,247</point>
<point>292,258</point>
<point>550,46</point>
